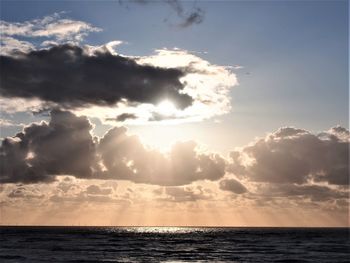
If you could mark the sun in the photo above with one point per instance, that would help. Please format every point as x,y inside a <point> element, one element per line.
<point>166,108</point>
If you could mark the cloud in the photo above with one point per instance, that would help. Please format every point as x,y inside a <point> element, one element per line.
<point>116,85</point>
<point>208,84</point>
<point>41,151</point>
<point>195,17</point>
<point>233,186</point>
<point>89,198</point>
<point>97,190</point>
<point>183,194</point>
<point>156,116</point>
<point>64,146</point>
<point>46,152</point>
<point>53,27</point>
<point>203,86</point>
<point>44,65</point>
<point>187,17</point>
<point>67,185</point>
<point>26,193</point>
<point>58,74</point>
<point>124,157</point>
<point>123,117</point>
<point>316,193</point>
<point>9,123</point>
<point>292,155</point>
<point>10,45</point>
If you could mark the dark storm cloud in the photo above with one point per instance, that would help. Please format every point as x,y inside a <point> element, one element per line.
<point>64,146</point>
<point>292,155</point>
<point>68,76</point>
<point>233,186</point>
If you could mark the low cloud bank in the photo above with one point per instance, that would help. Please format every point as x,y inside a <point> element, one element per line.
<point>65,146</point>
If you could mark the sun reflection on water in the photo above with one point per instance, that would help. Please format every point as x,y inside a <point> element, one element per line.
<point>165,230</point>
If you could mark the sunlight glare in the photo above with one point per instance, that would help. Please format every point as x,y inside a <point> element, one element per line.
<point>166,108</point>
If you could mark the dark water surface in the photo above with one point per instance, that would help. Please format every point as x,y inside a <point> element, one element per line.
<point>172,244</point>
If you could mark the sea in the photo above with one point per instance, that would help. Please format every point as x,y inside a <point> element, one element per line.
<point>173,244</point>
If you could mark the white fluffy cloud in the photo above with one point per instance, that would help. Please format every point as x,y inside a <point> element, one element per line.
<point>53,28</point>
<point>208,84</point>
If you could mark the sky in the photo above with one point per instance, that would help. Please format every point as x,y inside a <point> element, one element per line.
<point>226,113</point>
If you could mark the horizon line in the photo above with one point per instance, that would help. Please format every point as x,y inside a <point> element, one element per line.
<point>173,226</point>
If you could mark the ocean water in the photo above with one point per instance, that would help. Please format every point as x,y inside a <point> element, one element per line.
<point>173,244</point>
